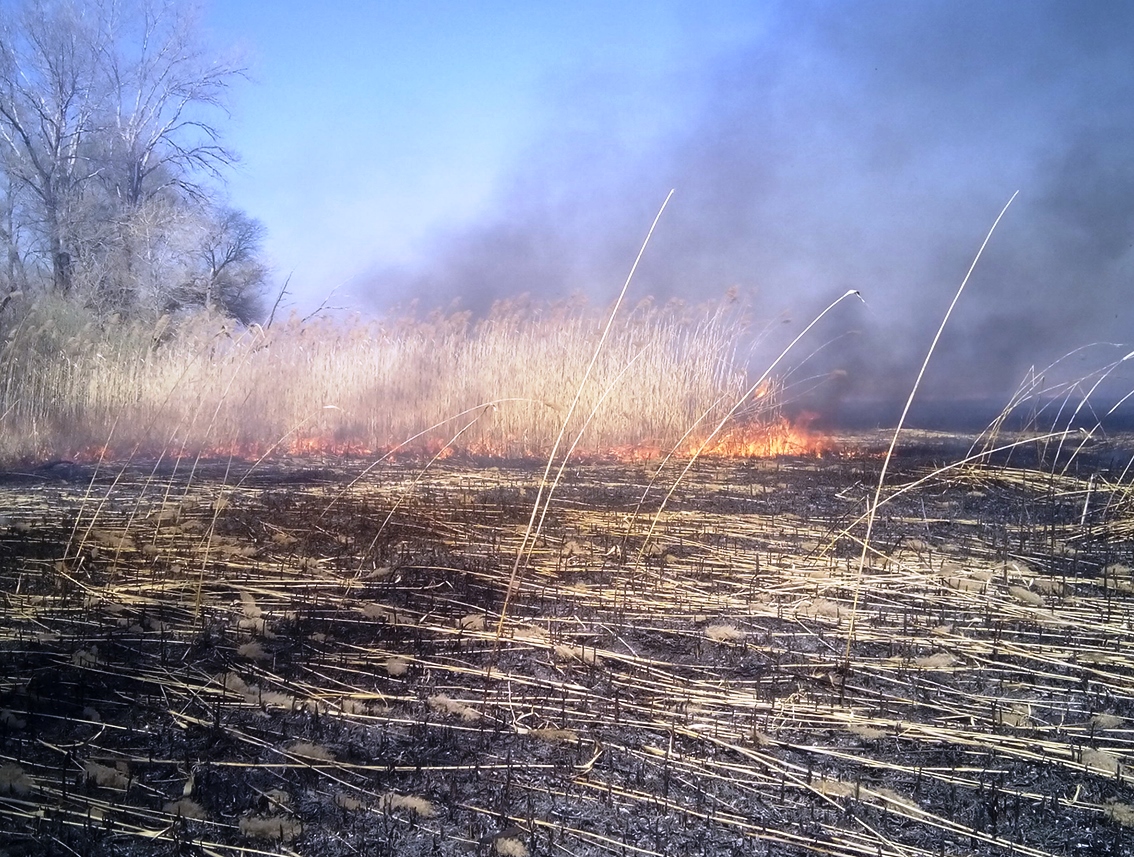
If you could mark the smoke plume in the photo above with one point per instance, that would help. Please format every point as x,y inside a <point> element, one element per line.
<point>864,145</point>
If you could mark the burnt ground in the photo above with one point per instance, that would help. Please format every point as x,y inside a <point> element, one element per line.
<point>304,658</point>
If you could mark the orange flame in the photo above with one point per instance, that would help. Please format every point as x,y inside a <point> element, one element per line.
<point>780,436</point>
<point>766,438</point>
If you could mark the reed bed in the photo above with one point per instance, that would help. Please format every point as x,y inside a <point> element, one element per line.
<point>498,386</point>
<point>304,661</point>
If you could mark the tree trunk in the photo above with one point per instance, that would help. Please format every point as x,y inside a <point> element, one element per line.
<point>61,269</point>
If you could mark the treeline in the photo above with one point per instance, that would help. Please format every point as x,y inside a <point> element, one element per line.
<point>111,157</point>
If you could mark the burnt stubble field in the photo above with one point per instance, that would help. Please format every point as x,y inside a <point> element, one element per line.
<point>307,657</point>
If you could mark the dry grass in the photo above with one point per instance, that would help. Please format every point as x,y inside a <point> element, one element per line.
<point>417,806</point>
<point>72,385</point>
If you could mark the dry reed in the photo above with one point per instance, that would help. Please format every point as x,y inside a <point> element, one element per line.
<point>70,385</point>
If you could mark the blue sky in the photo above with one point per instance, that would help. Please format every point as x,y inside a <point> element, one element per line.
<point>368,126</point>
<point>474,151</point>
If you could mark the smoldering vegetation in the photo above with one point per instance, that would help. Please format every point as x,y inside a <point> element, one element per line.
<point>310,659</point>
<point>499,386</point>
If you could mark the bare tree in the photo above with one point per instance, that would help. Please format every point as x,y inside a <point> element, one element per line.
<point>236,276</point>
<point>50,92</point>
<point>110,146</point>
<point>165,87</point>
<point>15,274</point>
<point>231,278</point>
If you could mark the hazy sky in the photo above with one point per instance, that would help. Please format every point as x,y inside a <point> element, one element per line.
<point>478,150</point>
<point>370,125</point>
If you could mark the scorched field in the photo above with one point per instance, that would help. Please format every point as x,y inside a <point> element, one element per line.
<point>336,656</point>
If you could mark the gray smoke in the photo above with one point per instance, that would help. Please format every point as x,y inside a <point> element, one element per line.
<point>863,145</point>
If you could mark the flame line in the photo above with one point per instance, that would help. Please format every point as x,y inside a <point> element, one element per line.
<point>748,393</point>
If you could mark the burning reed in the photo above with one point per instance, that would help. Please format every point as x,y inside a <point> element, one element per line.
<point>72,385</point>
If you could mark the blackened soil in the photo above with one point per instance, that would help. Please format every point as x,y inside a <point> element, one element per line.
<point>305,658</point>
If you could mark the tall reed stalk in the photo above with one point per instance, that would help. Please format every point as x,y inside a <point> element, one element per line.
<point>202,384</point>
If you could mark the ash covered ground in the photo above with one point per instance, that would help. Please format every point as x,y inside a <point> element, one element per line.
<point>307,658</point>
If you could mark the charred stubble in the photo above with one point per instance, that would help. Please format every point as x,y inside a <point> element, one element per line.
<point>278,671</point>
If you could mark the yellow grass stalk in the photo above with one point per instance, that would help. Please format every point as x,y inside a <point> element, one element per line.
<point>898,430</point>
